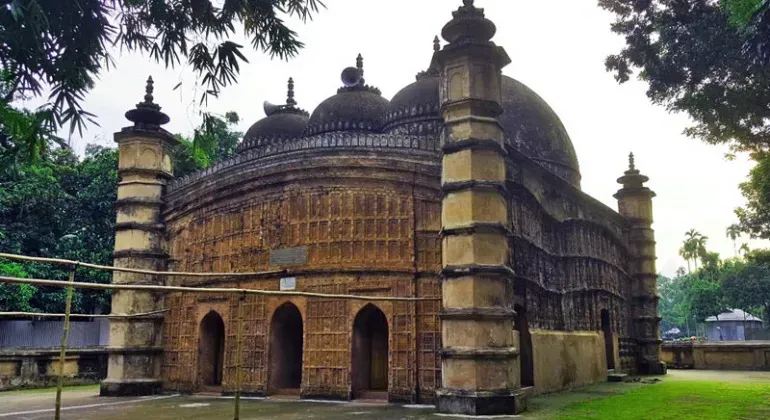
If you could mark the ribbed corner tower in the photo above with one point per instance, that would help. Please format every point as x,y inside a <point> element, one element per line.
<point>635,203</point>
<point>480,366</point>
<point>144,168</point>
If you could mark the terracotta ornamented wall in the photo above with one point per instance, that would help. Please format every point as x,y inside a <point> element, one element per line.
<point>361,237</point>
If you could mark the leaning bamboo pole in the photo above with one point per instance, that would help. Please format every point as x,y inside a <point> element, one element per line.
<point>239,348</point>
<point>213,290</point>
<point>63,350</point>
<point>132,270</point>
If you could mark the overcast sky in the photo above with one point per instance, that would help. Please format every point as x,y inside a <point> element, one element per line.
<point>558,49</point>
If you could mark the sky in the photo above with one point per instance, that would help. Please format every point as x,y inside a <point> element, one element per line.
<point>558,49</point>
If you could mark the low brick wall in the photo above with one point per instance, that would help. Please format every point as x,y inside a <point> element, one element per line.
<point>38,368</point>
<point>724,355</point>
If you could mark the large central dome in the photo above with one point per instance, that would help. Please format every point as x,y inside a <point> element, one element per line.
<point>531,126</point>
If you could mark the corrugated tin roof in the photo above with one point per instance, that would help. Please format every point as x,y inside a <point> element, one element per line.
<point>734,315</point>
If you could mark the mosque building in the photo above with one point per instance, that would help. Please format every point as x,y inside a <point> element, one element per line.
<point>464,187</point>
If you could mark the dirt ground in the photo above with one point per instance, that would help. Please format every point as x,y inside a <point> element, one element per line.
<point>83,403</point>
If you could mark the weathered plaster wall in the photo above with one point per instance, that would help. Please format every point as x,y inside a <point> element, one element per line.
<point>38,368</point>
<point>741,355</point>
<point>567,359</point>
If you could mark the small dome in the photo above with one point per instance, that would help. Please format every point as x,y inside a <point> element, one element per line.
<point>415,108</point>
<point>282,122</point>
<point>287,123</point>
<point>531,126</point>
<point>350,109</point>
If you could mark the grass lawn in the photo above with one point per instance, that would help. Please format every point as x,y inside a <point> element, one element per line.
<point>682,394</point>
<point>674,397</point>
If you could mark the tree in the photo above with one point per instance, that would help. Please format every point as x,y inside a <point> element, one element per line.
<point>214,142</point>
<point>693,247</point>
<point>746,285</point>
<point>61,46</point>
<point>744,249</point>
<point>711,60</point>
<point>754,218</point>
<point>733,232</point>
<point>692,55</point>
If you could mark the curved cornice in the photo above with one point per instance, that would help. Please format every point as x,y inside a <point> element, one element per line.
<point>267,147</point>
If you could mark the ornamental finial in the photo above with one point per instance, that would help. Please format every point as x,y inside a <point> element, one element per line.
<point>631,165</point>
<point>147,114</point>
<point>360,64</point>
<point>468,3</point>
<point>436,44</point>
<point>148,89</point>
<point>290,95</point>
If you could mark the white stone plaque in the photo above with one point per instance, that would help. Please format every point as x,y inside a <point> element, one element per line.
<point>288,283</point>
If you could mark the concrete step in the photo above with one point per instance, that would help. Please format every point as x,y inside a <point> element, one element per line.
<point>616,377</point>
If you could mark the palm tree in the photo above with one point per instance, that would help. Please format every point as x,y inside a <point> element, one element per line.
<point>744,249</point>
<point>684,252</point>
<point>694,245</point>
<point>733,232</point>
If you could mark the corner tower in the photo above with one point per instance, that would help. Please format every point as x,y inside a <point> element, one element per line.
<point>480,367</point>
<point>635,204</point>
<point>144,167</point>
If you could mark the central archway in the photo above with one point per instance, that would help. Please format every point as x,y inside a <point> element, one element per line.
<point>211,350</point>
<point>370,351</point>
<point>286,349</point>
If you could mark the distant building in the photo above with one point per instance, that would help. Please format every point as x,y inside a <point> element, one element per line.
<point>731,325</point>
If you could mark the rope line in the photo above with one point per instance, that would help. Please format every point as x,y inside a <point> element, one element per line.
<point>52,315</point>
<point>213,290</point>
<point>133,270</point>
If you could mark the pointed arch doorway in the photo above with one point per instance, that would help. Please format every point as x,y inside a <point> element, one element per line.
<point>211,350</point>
<point>370,353</point>
<point>286,347</point>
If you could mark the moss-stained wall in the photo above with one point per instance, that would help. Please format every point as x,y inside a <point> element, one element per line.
<point>567,359</point>
<point>727,355</point>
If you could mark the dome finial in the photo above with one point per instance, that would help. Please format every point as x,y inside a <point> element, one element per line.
<point>468,3</point>
<point>631,165</point>
<point>148,89</point>
<point>436,44</point>
<point>147,114</point>
<point>290,101</point>
<point>360,64</point>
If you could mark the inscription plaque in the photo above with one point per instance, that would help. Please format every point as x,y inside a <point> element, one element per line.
<point>288,256</point>
<point>288,283</point>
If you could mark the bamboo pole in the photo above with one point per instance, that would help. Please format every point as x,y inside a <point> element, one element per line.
<point>131,270</point>
<point>63,350</point>
<point>153,314</point>
<point>238,358</point>
<point>213,290</point>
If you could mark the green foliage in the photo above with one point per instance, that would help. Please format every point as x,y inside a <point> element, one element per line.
<point>711,60</point>
<point>754,217</point>
<point>741,12</point>
<point>688,299</point>
<point>58,206</point>
<point>213,142</point>
<point>63,46</point>
<point>695,61</point>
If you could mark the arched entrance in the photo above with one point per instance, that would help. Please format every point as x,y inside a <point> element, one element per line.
<point>211,350</point>
<point>526,355</point>
<point>286,349</point>
<point>609,345</point>
<point>370,351</point>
